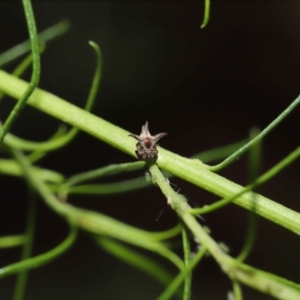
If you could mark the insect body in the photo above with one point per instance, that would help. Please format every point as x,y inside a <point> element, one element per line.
<point>146,146</point>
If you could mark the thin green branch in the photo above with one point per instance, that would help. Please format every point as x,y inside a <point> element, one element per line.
<point>259,181</point>
<point>53,142</point>
<point>135,259</point>
<point>24,65</point>
<point>46,35</point>
<point>175,284</point>
<point>105,171</point>
<point>245,148</point>
<point>108,188</point>
<point>12,241</point>
<point>12,168</point>
<point>237,290</point>
<point>27,248</point>
<point>167,234</point>
<point>206,13</point>
<point>219,152</point>
<point>90,189</point>
<point>187,257</point>
<point>36,69</point>
<point>42,259</point>
<point>97,77</point>
<point>64,140</point>
<point>254,164</point>
<point>36,155</point>
<point>60,141</point>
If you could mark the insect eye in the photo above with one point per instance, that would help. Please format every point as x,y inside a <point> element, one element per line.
<point>148,143</point>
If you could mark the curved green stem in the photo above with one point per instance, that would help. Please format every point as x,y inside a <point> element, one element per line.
<point>46,35</point>
<point>254,164</point>
<point>24,65</point>
<point>262,179</point>
<point>187,257</point>
<point>107,188</point>
<point>41,259</point>
<point>246,147</point>
<point>61,141</point>
<point>10,167</point>
<point>105,171</point>
<point>27,248</point>
<point>237,290</point>
<point>206,13</point>
<point>175,284</point>
<point>135,259</point>
<point>36,69</point>
<point>12,241</point>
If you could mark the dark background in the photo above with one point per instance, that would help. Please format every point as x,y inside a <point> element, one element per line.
<point>206,88</point>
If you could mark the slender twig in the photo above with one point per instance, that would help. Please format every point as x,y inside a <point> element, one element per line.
<point>46,35</point>
<point>12,241</point>
<point>259,181</point>
<point>105,171</point>
<point>42,259</point>
<point>27,248</point>
<point>36,69</point>
<point>264,132</point>
<point>187,257</point>
<point>63,140</point>
<point>177,281</point>
<point>206,13</point>
<point>254,164</point>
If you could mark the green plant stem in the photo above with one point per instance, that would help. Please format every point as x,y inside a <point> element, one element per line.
<point>69,113</point>
<point>167,234</point>
<point>105,171</point>
<point>97,77</point>
<point>175,284</point>
<point>135,259</point>
<point>60,141</point>
<point>27,248</point>
<point>206,13</point>
<point>187,257</point>
<point>12,168</point>
<point>268,283</point>
<point>262,179</point>
<point>23,66</point>
<point>36,69</point>
<point>108,188</point>
<point>12,241</point>
<point>219,152</point>
<point>254,164</point>
<point>65,188</point>
<point>237,290</point>
<point>264,132</point>
<point>46,35</point>
<point>190,170</point>
<point>36,155</point>
<point>42,259</point>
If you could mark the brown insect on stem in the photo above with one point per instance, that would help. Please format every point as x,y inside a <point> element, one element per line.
<point>146,146</point>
